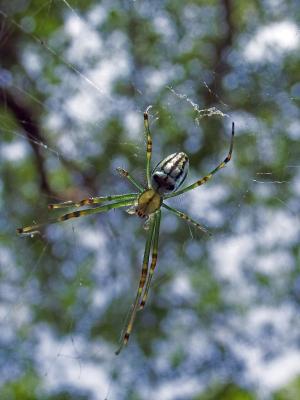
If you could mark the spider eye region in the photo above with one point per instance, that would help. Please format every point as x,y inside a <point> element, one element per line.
<point>170,173</point>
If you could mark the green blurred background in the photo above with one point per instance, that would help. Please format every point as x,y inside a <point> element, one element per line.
<point>222,321</point>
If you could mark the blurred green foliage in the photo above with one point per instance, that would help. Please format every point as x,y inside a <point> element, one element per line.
<point>75,78</point>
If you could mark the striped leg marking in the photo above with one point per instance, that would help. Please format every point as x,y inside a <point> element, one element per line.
<point>187,218</point>
<point>76,214</point>
<point>208,176</point>
<point>143,277</point>
<point>153,261</point>
<point>92,200</point>
<point>127,175</point>
<point>148,147</point>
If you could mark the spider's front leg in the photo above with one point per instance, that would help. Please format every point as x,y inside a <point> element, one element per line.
<point>206,178</point>
<point>125,173</point>
<point>148,147</point>
<point>92,200</point>
<point>76,214</point>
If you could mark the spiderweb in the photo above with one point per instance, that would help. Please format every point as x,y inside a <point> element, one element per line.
<point>74,84</point>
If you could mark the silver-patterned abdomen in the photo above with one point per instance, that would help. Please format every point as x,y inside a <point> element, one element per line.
<point>170,173</point>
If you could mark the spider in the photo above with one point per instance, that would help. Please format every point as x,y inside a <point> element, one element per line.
<point>162,183</point>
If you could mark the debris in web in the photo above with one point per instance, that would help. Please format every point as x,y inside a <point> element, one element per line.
<point>214,94</point>
<point>257,181</point>
<point>31,234</point>
<point>267,173</point>
<point>202,113</point>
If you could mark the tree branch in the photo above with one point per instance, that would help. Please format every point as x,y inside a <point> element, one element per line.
<point>25,119</point>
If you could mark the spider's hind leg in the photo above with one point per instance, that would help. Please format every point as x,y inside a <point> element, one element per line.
<point>187,218</point>
<point>153,261</point>
<point>143,277</point>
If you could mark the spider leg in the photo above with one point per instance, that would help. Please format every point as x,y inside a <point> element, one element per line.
<point>92,200</point>
<point>76,214</point>
<point>153,260</point>
<point>208,176</point>
<point>132,315</point>
<point>148,147</point>
<point>186,218</point>
<point>127,175</point>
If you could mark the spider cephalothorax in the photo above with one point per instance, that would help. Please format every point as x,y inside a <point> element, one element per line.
<point>166,177</point>
<point>162,183</point>
<point>148,202</point>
